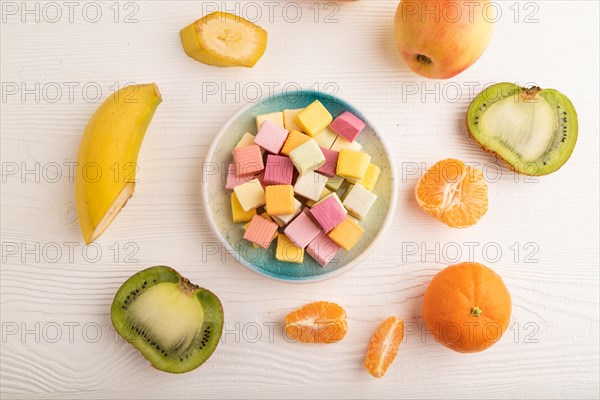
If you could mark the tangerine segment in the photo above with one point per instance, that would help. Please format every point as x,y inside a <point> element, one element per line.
<point>454,193</point>
<point>384,346</point>
<point>319,322</point>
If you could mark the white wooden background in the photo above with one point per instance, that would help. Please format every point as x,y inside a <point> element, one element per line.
<point>56,337</point>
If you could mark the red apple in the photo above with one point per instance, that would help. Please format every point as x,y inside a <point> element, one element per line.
<point>439,39</point>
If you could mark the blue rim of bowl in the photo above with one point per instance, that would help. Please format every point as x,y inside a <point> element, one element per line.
<point>322,277</point>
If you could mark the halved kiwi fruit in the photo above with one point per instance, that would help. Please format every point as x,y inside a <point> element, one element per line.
<point>533,130</point>
<point>175,324</point>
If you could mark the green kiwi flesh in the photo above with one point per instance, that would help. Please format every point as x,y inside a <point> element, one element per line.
<point>533,130</point>
<point>175,324</point>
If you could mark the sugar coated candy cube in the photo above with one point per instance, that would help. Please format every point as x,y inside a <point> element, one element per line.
<point>289,119</point>
<point>271,137</point>
<point>371,176</point>
<point>358,201</point>
<point>250,194</point>
<point>322,249</point>
<point>279,170</point>
<point>248,160</point>
<point>330,167</point>
<point>326,192</point>
<point>334,196</point>
<point>334,183</point>
<point>341,143</point>
<point>307,157</point>
<point>246,140</point>
<point>326,138</point>
<point>302,230</point>
<point>266,216</point>
<point>314,118</point>
<point>233,180</point>
<point>275,117</point>
<point>294,139</point>
<point>310,185</point>
<point>280,199</point>
<point>348,126</point>
<point>283,220</point>
<point>329,213</point>
<point>352,164</point>
<point>346,234</point>
<point>287,251</point>
<point>237,212</point>
<point>261,231</point>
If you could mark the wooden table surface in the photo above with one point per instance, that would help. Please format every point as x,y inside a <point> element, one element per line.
<point>60,60</point>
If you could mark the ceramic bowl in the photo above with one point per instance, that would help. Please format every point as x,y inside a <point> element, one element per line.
<point>217,199</point>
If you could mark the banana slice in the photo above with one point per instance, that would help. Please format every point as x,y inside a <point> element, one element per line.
<point>224,40</point>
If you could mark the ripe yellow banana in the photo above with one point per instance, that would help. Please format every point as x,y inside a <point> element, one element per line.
<point>107,159</point>
<point>224,40</point>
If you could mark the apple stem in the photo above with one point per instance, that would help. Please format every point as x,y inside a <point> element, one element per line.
<point>423,59</point>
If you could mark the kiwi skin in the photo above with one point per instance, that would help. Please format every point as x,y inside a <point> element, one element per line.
<point>505,89</point>
<point>212,322</point>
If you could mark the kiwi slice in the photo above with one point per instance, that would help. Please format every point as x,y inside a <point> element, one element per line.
<point>175,324</point>
<point>532,130</point>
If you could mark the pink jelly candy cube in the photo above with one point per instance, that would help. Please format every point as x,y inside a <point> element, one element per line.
<point>233,180</point>
<point>248,160</point>
<point>331,157</point>
<point>302,230</point>
<point>322,249</point>
<point>279,170</point>
<point>348,126</point>
<point>261,231</point>
<point>271,137</point>
<point>328,213</point>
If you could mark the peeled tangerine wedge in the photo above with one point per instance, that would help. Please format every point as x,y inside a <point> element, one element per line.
<point>319,322</point>
<point>108,152</point>
<point>224,40</point>
<point>384,346</point>
<point>175,324</point>
<point>454,193</point>
<point>532,130</point>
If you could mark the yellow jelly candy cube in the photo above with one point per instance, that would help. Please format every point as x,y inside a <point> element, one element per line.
<point>294,139</point>
<point>326,138</point>
<point>246,140</point>
<point>352,164</point>
<point>276,118</point>
<point>250,194</point>
<point>341,143</point>
<point>346,234</point>
<point>238,213</point>
<point>280,199</point>
<point>370,179</point>
<point>314,118</point>
<point>289,119</point>
<point>287,251</point>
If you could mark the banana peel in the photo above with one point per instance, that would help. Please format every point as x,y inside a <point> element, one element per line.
<point>107,158</point>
